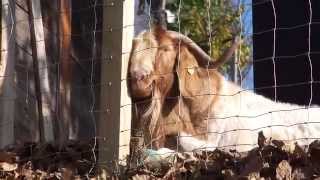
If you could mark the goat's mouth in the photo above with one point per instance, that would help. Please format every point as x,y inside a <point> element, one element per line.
<point>141,89</point>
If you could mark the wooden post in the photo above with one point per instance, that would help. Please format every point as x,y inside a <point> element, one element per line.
<point>115,116</point>
<point>7,92</point>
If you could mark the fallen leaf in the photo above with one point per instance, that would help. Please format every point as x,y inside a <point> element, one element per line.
<point>4,166</point>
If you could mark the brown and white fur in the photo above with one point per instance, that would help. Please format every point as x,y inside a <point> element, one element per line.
<point>177,90</point>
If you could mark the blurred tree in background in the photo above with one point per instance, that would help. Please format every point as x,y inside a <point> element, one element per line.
<point>216,19</point>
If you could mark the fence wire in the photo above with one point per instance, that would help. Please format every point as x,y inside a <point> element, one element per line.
<point>86,58</point>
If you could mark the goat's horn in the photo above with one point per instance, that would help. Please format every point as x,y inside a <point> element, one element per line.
<point>203,58</point>
<point>228,53</point>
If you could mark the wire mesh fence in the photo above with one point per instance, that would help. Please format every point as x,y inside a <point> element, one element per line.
<point>61,83</point>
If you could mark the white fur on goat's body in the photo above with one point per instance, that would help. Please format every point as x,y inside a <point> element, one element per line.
<point>240,114</point>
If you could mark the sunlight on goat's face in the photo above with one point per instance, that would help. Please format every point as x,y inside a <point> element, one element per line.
<point>152,60</point>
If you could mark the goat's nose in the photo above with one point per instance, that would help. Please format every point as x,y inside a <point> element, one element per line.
<point>139,75</point>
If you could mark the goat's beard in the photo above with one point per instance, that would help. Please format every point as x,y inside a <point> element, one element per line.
<point>152,113</point>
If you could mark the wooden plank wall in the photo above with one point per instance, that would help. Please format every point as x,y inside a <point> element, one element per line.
<point>7,92</point>
<point>19,113</point>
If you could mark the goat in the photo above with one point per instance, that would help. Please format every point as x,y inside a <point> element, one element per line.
<point>173,81</point>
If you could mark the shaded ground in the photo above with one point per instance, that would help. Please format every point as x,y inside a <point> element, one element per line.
<point>272,160</point>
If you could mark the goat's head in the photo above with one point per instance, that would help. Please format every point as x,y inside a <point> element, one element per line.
<point>157,58</point>
<point>152,58</point>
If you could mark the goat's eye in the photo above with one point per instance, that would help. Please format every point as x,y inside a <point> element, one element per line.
<point>165,49</point>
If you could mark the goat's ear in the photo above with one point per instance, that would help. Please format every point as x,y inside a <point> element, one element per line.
<point>187,70</point>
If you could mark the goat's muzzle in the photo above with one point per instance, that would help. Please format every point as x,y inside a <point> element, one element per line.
<point>141,86</point>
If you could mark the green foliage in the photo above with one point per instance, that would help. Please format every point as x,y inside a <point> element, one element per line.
<point>218,21</point>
